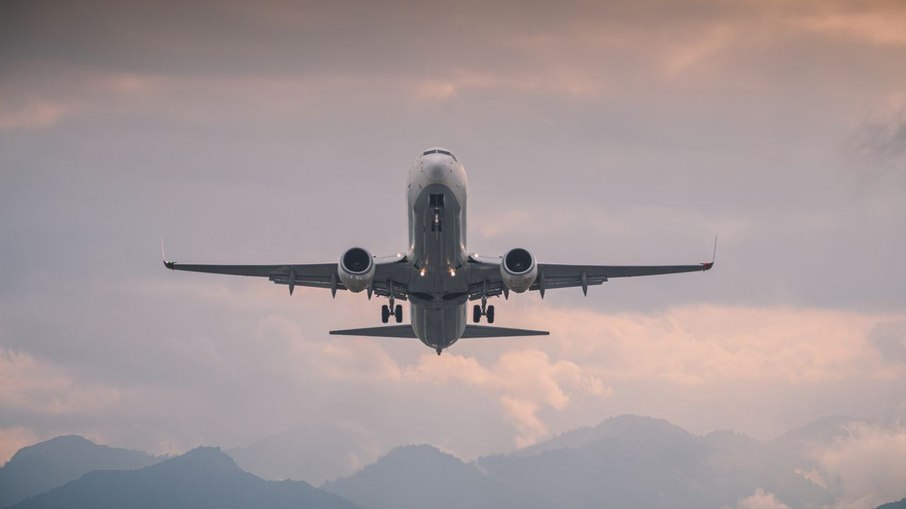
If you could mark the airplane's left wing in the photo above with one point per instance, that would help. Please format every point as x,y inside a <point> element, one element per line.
<point>389,276</point>
<point>320,275</point>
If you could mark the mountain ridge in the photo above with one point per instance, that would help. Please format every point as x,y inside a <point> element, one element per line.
<point>202,477</point>
<point>37,468</point>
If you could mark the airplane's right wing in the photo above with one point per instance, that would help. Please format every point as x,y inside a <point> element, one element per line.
<point>486,279</point>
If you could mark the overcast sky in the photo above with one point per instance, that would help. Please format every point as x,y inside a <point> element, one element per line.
<point>278,132</point>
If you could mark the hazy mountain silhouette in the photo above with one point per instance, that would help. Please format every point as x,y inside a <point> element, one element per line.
<point>419,476</point>
<point>626,462</point>
<point>821,431</point>
<point>202,478</point>
<point>40,467</point>
<point>894,505</point>
<point>623,426</point>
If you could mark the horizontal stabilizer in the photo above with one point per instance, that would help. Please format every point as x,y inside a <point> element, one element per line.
<point>471,332</point>
<point>485,331</point>
<point>387,331</point>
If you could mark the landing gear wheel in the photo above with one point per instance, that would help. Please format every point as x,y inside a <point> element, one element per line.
<point>398,313</point>
<point>490,314</point>
<point>476,313</point>
<point>385,313</point>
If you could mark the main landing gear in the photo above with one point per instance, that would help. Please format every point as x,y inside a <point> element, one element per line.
<point>483,310</point>
<point>393,309</point>
<point>397,313</point>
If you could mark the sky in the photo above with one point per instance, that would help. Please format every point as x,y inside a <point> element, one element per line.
<point>281,132</point>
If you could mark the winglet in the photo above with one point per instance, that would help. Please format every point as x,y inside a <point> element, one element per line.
<point>163,255</point>
<point>708,265</point>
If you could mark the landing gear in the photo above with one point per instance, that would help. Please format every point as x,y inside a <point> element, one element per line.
<point>396,311</point>
<point>483,310</point>
<point>436,202</point>
<point>435,224</point>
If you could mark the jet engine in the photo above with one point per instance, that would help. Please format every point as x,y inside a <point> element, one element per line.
<point>356,269</point>
<point>518,270</point>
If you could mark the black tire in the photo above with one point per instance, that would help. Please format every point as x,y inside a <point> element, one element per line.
<point>490,314</point>
<point>476,313</point>
<point>398,313</point>
<point>385,313</point>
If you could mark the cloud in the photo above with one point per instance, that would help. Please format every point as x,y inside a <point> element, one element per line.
<point>33,114</point>
<point>711,343</point>
<point>432,90</point>
<point>524,381</point>
<point>889,338</point>
<point>31,386</point>
<point>878,145</point>
<point>874,22</point>
<point>866,467</point>
<point>761,500</point>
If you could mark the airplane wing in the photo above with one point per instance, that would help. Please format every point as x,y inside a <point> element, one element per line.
<point>388,275</point>
<point>486,279</point>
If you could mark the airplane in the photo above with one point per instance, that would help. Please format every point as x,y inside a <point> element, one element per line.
<point>437,274</point>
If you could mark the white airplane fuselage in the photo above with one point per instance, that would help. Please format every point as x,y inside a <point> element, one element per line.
<point>438,290</point>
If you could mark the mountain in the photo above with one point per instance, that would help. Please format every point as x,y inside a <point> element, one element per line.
<point>202,478</point>
<point>628,427</point>
<point>894,505</point>
<point>40,467</point>
<point>641,462</point>
<point>820,432</point>
<point>417,476</point>
<point>626,462</point>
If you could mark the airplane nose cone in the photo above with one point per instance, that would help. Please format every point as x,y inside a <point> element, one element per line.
<point>436,172</point>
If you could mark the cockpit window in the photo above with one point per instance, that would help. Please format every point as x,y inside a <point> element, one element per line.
<point>440,151</point>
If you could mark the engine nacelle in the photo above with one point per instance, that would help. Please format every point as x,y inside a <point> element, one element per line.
<point>356,269</point>
<point>518,270</point>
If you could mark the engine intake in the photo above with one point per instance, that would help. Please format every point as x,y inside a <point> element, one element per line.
<point>356,269</point>
<point>518,270</point>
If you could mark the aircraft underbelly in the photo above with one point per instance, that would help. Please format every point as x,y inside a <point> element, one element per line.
<point>438,298</point>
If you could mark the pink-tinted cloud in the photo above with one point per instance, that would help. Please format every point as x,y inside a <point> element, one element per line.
<point>761,500</point>
<point>865,467</point>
